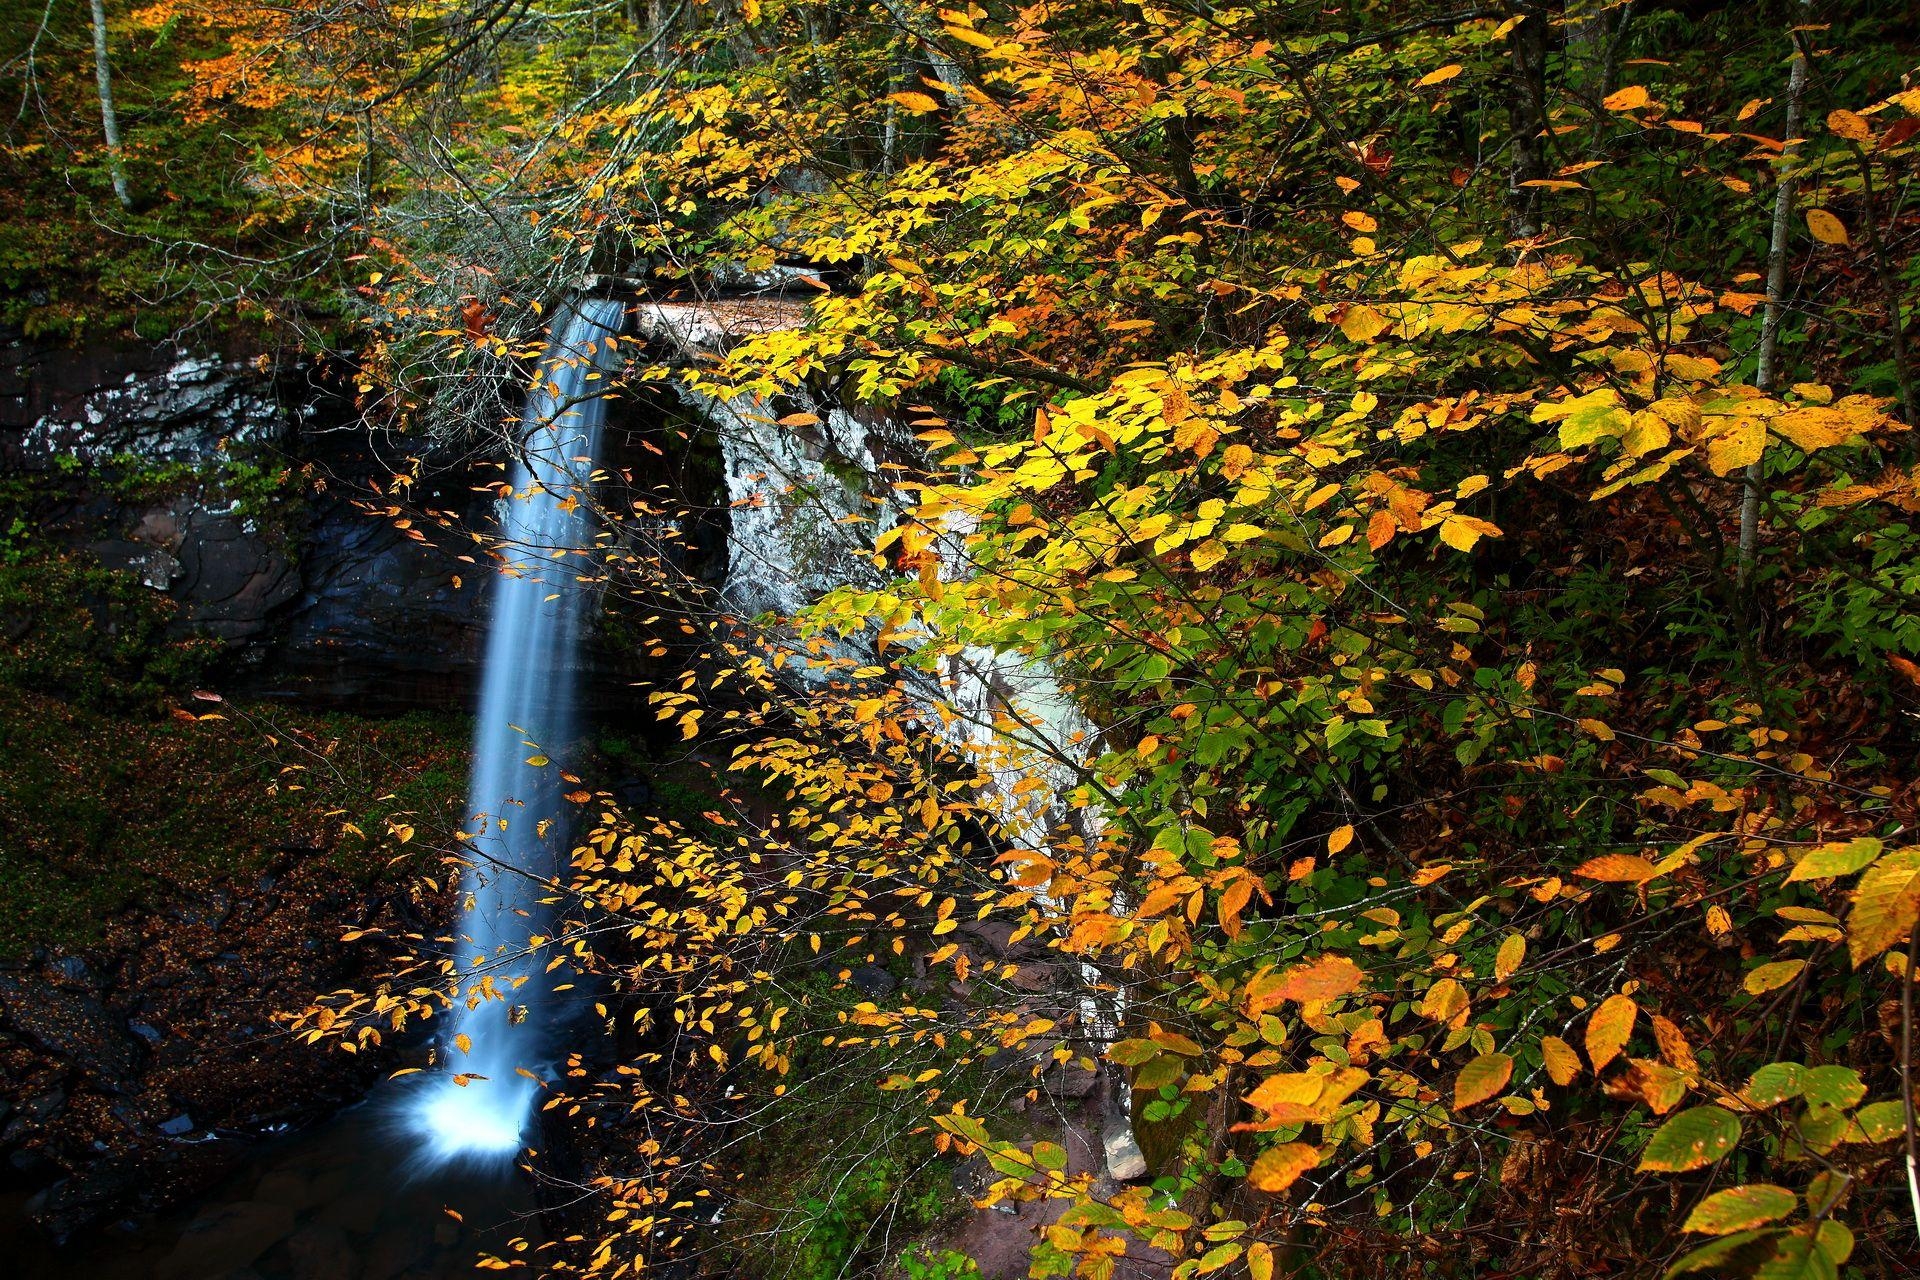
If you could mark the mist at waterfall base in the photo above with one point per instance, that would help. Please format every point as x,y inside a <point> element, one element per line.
<point>475,1109</point>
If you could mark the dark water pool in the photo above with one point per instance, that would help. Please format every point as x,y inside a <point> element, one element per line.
<point>343,1201</point>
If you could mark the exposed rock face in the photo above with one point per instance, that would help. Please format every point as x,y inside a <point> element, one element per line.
<point>318,598</point>
<point>157,403</point>
<point>377,618</point>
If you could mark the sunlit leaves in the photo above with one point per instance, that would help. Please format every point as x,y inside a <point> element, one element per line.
<point>1886,905</point>
<point>1326,978</point>
<point>1562,1063</point>
<point>1278,1168</point>
<point>1693,1139</point>
<point>1513,951</point>
<point>1831,860</point>
<point>1481,1079</point>
<point>1740,1209</point>
<point>1825,227</point>
<point>1771,976</point>
<point>1609,1028</point>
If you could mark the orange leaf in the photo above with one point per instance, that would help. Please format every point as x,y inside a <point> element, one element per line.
<point>1280,1167</point>
<point>1826,228</point>
<point>1609,1029</point>
<point>1480,1079</point>
<point>1617,868</point>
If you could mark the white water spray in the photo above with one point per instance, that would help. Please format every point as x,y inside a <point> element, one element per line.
<point>519,834</point>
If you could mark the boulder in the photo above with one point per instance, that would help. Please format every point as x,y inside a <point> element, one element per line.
<point>318,1252</point>
<point>226,1238</point>
<point>231,579</point>
<point>1125,1162</point>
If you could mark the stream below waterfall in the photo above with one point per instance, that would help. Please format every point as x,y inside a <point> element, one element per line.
<point>345,1200</point>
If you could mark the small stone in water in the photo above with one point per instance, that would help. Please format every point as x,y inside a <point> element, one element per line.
<point>178,1127</point>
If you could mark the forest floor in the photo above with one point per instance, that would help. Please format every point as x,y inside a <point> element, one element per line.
<point>175,887</point>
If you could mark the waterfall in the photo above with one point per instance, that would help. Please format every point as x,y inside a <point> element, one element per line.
<point>516,841</point>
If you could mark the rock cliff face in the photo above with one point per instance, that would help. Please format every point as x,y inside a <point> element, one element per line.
<point>240,492</point>
<point>226,485</point>
<point>155,402</point>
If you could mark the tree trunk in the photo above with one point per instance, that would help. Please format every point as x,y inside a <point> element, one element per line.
<point>1527,44</point>
<point>1767,372</point>
<point>109,123</point>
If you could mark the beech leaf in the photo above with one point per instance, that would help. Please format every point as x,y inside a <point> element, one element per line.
<point>1694,1139</point>
<point>1480,1079</point>
<point>1609,1029</point>
<point>1280,1167</point>
<point>1740,1209</point>
<point>1826,228</point>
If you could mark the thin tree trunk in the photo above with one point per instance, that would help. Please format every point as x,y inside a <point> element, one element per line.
<point>109,123</point>
<point>1768,372</point>
<point>1527,113</point>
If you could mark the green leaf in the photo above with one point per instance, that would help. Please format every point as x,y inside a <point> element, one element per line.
<point>1219,1256</point>
<point>1797,1256</point>
<point>1693,1139</point>
<point>1161,1071</point>
<point>1833,1086</point>
<point>1731,1249</point>
<point>1132,1053</point>
<point>1741,1209</point>
<point>1050,1155</point>
<point>1773,1084</point>
<point>1880,1122</point>
<point>1831,860</point>
<point>1835,1239</point>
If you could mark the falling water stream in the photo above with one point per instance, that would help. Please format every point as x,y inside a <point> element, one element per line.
<point>369,1195</point>
<point>497,1048</point>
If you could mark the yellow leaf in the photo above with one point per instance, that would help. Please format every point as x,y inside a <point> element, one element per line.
<point>1649,432</point>
<point>1826,228</point>
<point>1440,75</point>
<point>1280,1167</point>
<point>918,103</point>
<point>1509,958</point>
<point>1719,923</point>
<point>1207,555</point>
<point>1735,444</point>
<point>1260,1261</point>
<point>1362,323</point>
<point>1609,1029</point>
<point>1461,532</point>
<point>1631,98</point>
<point>465,1044</point>
<point>1480,1079</point>
<point>967,35</point>
<point>1359,221</point>
<point>1340,839</point>
<point>1770,977</point>
<point>1562,1063</point>
<point>1886,905</point>
<point>1848,125</point>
